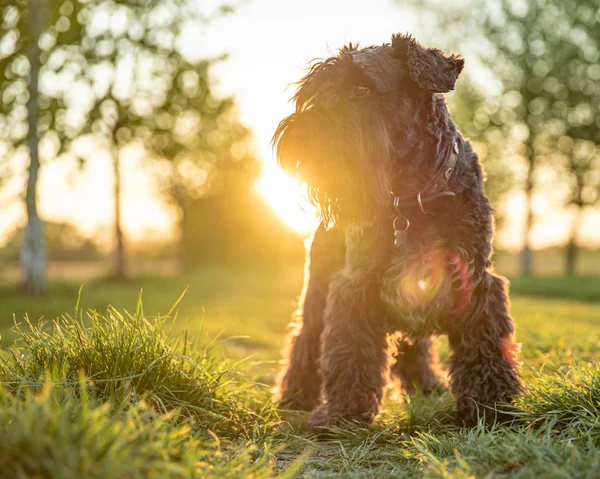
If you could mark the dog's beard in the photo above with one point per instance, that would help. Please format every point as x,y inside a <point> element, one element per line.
<point>346,167</point>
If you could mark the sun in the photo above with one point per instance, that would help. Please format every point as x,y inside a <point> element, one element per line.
<point>288,199</point>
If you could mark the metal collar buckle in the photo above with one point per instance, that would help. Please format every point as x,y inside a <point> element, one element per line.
<point>432,190</point>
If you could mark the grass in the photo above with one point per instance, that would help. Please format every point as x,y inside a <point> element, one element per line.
<point>227,302</point>
<point>116,396</point>
<point>105,390</point>
<point>61,434</point>
<point>586,288</point>
<point>125,357</point>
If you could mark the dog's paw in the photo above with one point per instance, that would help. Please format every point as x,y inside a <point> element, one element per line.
<point>323,419</point>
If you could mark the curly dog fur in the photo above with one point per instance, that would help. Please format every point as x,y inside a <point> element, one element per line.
<point>368,122</point>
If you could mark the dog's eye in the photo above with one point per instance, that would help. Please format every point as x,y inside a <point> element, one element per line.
<point>361,91</point>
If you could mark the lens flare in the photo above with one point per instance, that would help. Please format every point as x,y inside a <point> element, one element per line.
<point>438,278</point>
<point>423,278</point>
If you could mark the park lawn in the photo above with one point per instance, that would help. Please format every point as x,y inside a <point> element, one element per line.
<point>247,309</point>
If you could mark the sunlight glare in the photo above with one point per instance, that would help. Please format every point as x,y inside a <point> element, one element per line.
<point>288,200</point>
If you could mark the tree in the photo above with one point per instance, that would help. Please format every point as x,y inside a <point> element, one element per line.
<point>549,50</point>
<point>198,137</point>
<point>123,76</point>
<point>475,114</point>
<point>144,93</point>
<point>33,254</point>
<point>31,30</point>
<point>573,102</point>
<point>545,54</point>
<point>511,32</point>
<point>492,44</point>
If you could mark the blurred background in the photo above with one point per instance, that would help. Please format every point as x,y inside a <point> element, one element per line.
<point>134,145</point>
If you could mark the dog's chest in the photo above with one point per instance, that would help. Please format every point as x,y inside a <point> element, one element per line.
<point>424,285</point>
<point>427,288</point>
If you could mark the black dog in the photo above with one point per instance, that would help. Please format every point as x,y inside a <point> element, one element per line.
<point>404,244</point>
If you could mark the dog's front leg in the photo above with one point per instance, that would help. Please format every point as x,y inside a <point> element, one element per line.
<point>484,370</point>
<point>300,384</point>
<point>353,351</point>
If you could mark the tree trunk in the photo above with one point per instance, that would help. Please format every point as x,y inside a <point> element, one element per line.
<point>572,249</point>
<point>184,240</point>
<point>526,252</point>
<point>120,269</point>
<point>33,253</point>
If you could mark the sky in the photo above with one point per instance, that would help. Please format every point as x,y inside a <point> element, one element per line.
<point>269,43</point>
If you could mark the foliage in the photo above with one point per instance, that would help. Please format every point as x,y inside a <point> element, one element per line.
<point>470,109</point>
<point>143,90</point>
<point>117,75</point>
<point>62,28</point>
<point>63,242</point>
<point>252,230</point>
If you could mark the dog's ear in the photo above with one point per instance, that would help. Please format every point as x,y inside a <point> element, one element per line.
<point>429,68</point>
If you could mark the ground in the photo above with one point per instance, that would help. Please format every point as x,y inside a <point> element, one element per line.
<point>247,310</point>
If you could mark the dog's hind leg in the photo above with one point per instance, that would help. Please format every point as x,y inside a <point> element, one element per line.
<point>416,365</point>
<point>300,384</point>
<point>484,369</point>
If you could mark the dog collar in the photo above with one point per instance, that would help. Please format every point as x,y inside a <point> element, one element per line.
<point>432,190</point>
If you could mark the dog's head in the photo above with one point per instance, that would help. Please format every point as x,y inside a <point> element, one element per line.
<point>358,117</point>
